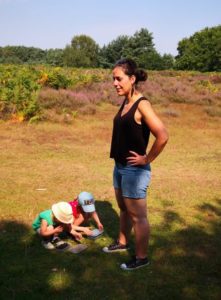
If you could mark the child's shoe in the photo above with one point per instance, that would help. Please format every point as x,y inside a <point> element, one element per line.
<point>59,244</point>
<point>47,245</point>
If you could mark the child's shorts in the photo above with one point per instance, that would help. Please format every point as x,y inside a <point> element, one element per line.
<point>132,180</point>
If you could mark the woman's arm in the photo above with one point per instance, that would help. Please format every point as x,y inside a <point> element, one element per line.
<point>159,131</point>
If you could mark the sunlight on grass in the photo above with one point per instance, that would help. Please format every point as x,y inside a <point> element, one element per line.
<point>59,280</point>
<point>49,162</point>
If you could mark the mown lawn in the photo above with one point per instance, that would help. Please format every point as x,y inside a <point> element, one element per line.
<point>47,162</point>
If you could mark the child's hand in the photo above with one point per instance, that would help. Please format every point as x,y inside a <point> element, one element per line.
<point>78,235</point>
<point>58,229</point>
<point>100,226</point>
<point>87,231</point>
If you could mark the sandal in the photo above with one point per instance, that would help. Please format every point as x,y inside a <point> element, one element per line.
<point>59,244</point>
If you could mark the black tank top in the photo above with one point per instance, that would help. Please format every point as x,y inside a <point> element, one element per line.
<point>128,134</point>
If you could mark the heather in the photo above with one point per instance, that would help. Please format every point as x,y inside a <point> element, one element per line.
<point>37,93</point>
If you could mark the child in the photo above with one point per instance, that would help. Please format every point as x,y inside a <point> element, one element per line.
<point>50,223</point>
<point>83,209</point>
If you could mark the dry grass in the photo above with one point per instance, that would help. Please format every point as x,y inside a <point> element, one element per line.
<point>184,205</point>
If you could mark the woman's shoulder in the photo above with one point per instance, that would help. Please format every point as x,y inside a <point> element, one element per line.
<point>144,102</point>
<point>145,108</point>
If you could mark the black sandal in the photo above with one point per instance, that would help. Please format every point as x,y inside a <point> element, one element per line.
<point>59,244</point>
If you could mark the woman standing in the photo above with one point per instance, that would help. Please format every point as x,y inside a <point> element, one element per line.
<point>132,126</point>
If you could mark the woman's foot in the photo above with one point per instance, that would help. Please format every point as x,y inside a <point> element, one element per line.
<point>135,263</point>
<point>115,247</point>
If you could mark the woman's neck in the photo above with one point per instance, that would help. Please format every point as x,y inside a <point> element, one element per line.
<point>133,98</point>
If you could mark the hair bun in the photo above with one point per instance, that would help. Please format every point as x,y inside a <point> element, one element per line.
<point>141,75</point>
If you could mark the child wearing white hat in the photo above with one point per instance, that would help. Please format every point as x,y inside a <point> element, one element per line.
<point>83,208</point>
<point>51,222</point>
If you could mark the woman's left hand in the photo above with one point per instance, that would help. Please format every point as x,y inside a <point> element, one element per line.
<point>137,159</point>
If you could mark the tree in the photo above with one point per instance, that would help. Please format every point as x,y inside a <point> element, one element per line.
<point>202,51</point>
<point>168,62</point>
<point>114,51</point>
<point>139,47</point>
<point>54,57</point>
<point>83,52</point>
<point>22,54</point>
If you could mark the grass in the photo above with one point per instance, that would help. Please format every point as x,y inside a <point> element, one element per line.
<point>184,206</point>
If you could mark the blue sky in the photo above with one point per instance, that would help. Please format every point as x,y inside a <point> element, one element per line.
<point>53,23</point>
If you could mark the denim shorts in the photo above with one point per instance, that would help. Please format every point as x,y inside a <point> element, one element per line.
<point>132,180</point>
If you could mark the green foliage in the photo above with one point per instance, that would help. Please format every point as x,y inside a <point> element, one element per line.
<point>54,57</point>
<point>56,79</point>
<point>20,86</point>
<point>83,52</point>
<point>27,92</point>
<point>30,55</point>
<point>202,51</point>
<point>167,62</point>
<point>114,51</point>
<point>18,91</point>
<point>21,54</point>
<point>139,47</point>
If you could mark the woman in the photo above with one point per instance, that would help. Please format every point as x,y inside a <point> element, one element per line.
<point>132,126</point>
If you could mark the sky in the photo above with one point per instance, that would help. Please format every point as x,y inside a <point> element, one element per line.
<point>49,24</point>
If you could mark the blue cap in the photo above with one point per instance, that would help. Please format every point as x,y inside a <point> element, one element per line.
<point>86,201</point>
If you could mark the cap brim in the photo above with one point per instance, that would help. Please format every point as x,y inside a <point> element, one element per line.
<point>88,208</point>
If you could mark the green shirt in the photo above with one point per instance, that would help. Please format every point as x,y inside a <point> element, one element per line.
<point>44,215</point>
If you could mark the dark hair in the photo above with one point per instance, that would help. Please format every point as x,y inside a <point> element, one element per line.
<point>130,68</point>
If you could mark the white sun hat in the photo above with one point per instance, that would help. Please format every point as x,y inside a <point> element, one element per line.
<point>63,212</point>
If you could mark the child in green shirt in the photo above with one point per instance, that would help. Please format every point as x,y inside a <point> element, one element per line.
<point>50,223</point>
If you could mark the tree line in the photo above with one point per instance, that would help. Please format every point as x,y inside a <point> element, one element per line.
<point>201,51</point>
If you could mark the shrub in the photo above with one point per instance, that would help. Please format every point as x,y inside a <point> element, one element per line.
<point>213,111</point>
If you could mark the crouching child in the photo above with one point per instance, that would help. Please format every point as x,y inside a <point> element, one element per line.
<point>52,222</point>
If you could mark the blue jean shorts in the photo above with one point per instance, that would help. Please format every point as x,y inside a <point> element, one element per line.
<point>132,180</point>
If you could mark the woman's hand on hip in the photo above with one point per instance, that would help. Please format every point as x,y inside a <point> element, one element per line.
<point>136,159</point>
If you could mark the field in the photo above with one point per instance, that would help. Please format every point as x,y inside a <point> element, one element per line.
<point>48,162</point>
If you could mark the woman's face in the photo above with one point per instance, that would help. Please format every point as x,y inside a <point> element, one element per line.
<point>122,82</point>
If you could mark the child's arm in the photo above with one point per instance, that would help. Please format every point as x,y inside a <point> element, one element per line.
<point>85,230</point>
<point>45,230</point>
<point>79,220</point>
<point>68,227</point>
<point>76,234</point>
<point>97,220</point>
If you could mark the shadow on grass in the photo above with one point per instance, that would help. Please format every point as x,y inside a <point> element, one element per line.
<point>109,218</point>
<point>186,262</point>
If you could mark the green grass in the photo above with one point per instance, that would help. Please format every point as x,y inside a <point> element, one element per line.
<point>184,206</point>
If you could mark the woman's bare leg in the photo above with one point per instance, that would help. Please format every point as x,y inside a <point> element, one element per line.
<point>125,221</point>
<point>137,210</point>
